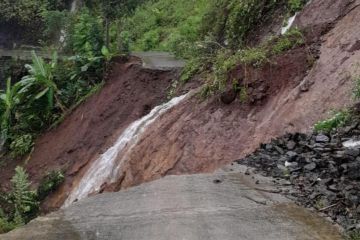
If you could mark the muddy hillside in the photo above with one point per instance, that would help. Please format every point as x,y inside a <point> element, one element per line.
<point>288,94</point>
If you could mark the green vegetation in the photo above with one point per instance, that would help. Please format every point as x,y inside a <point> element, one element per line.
<point>353,235</point>
<point>338,119</point>
<point>86,36</point>
<point>226,60</point>
<point>165,25</point>
<point>21,204</point>
<point>21,145</point>
<point>181,26</point>
<point>356,90</point>
<point>210,34</point>
<point>43,96</point>
<point>296,5</point>
<point>49,184</point>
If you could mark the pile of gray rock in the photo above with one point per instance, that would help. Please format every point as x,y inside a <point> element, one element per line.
<point>323,171</point>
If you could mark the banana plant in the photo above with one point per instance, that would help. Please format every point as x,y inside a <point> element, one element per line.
<point>8,101</point>
<point>41,78</point>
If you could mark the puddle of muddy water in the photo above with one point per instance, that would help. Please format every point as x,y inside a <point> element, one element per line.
<point>315,226</point>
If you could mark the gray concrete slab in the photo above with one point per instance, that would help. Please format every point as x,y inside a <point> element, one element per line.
<point>159,60</point>
<point>225,205</point>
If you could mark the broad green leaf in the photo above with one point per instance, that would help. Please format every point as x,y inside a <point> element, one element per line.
<point>42,93</point>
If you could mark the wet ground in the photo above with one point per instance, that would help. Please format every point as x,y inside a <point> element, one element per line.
<point>226,205</point>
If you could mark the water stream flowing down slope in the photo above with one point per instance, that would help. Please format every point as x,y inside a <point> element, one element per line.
<point>107,167</point>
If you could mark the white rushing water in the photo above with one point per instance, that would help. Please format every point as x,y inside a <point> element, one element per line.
<point>288,25</point>
<point>106,166</point>
<point>74,6</point>
<point>63,34</point>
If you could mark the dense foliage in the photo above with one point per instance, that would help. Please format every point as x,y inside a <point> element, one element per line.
<point>44,96</point>
<point>210,34</point>
<point>166,25</point>
<point>21,204</point>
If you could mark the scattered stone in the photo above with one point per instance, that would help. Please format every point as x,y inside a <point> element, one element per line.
<point>354,152</point>
<point>279,150</point>
<point>318,171</point>
<point>333,188</point>
<point>351,144</point>
<point>282,167</point>
<point>291,164</point>
<point>310,166</point>
<point>292,155</point>
<point>284,182</point>
<point>321,138</point>
<point>291,145</point>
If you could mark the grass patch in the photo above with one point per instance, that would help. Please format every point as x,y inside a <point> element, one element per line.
<point>339,119</point>
<point>49,184</point>
<point>225,60</point>
<point>356,90</point>
<point>354,235</point>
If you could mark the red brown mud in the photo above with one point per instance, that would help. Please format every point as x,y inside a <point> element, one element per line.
<point>201,136</point>
<point>130,93</point>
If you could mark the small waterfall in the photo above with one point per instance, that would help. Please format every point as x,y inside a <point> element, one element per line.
<point>288,25</point>
<point>106,166</point>
<point>74,6</point>
<point>63,34</point>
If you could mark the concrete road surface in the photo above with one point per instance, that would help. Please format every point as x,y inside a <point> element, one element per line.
<point>221,206</point>
<point>159,60</point>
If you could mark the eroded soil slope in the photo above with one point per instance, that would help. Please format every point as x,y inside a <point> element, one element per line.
<point>290,97</point>
<point>130,93</point>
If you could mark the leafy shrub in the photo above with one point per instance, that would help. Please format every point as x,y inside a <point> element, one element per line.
<point>356,90</point>
<point>165,25</point>
<point>150,40</point>
<point>87,35</point>
<point>21,12</point>
<point>8,101</point>
<point>224,60</point>
<point>49,184</point>
<point>353,235</point>
<point>124,42</point>
<point>191,68</point>
<point>252,56</point>
<point>338,120</point>
<point>296,5</point>
<point>55,22</point>
<point>21,145</point>
<point>20,205</point>
<point>22,198</point>
<point>229,22</point>
<point>289,40</point>
<point>5,225</point>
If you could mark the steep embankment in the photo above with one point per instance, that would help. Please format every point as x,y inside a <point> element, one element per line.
<point>288,95</point>
<point>202,136</point>
<point>130,93</point>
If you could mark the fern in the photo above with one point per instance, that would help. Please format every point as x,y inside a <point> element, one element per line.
<point>23,199</point>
